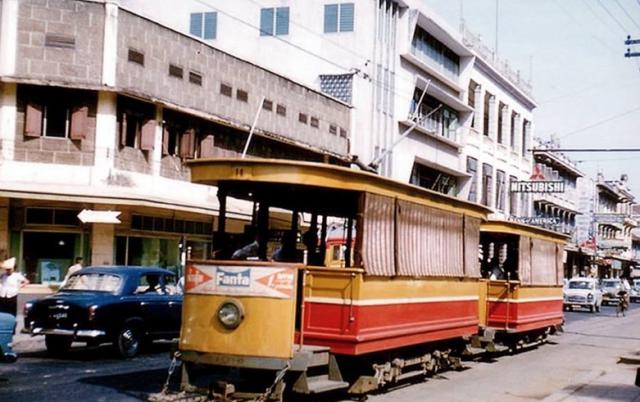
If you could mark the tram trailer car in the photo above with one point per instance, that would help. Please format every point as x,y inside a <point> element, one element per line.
<point>409,300</point>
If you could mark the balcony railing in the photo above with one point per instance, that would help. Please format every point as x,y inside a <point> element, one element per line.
<point>435,60</point>
<point>438,124</point>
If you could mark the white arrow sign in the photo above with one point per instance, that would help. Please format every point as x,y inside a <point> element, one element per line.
<point>91,216</point>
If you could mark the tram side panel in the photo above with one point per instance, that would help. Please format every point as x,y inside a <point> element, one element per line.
<point>355,314</point>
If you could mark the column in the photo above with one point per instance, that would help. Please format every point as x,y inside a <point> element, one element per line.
<point>102,243</point>
<point>8,37</point>
<point>110,44</point>
<point>506,126</point>
<point>8,113</point>
<point>478,117</point>
<point>493,118</point>
<point>156,155</point>
<point>106,131</point>
<point>517,145</point>
<point>4,228</point>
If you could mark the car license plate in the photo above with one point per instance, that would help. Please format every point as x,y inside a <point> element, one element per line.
<point>59,315</point>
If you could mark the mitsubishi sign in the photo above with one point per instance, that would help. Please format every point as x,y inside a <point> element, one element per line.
<point>537,184</point>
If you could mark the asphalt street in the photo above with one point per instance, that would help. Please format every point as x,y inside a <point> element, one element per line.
<point>96,374</point>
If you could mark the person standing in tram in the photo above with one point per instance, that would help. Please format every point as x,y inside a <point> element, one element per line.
<point>10,284</point>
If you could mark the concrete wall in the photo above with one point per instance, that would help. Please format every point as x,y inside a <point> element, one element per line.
<point>80,22</point>
<point>62,151</point>
<point>162,47</point>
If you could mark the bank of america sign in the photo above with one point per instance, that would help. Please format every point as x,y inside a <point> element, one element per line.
<point>536,186</point>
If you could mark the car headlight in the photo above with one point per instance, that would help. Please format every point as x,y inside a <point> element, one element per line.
<point>589,297</point>
<point>27,307</point>
<point>230,314</point>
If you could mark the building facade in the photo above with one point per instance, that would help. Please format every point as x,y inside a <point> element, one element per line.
<point>431,105</point>
<point>101,108</point>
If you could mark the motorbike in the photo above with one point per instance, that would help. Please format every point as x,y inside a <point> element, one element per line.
<point>623,305</point>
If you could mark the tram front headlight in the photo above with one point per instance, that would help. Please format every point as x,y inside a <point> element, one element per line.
<point>230,314</point>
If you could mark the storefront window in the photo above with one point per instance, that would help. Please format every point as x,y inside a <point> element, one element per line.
<point>148,251</point>
<point>48,255</point>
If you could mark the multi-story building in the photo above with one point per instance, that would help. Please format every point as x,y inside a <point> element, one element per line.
<point>99,110</point>
<point>558,210</point>
<point>469,118</point>
<point>615,222</point>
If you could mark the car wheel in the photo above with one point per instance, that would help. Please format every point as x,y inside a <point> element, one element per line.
<point>57,344</point>
<point>128,341</point>
<point>570,308</point>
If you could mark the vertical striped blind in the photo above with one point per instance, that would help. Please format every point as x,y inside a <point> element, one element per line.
<point>210,25</point>
<point>282,21</point>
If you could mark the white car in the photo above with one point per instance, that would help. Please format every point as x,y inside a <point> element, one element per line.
<point>583,292</point>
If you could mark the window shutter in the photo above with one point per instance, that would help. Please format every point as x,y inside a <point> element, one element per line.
<point>282,21</point>
<point>123,130</point>
<point>330,18</point>
<point>148,135</point>
<point>206,146</point>
<point>165,140</point>
<point>33,120</point>
<point>266,22</point>
<point>346,17</point>
<point>187,141</point>
<point>79,122</point>
<point>210,25</point>
<point>195,25</point>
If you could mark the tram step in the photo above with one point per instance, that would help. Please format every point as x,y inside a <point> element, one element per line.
<point>321,383</point>
<point>498,348</point>
<point>471,351</point>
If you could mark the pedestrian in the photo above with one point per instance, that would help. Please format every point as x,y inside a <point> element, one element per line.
<point>10,284</point>
<point>73,269</point>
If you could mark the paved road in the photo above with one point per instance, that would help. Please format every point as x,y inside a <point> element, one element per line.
<point>591,342</point>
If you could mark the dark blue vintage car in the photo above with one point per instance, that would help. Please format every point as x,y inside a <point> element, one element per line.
<point>123,305</point>
<point>7,327</point>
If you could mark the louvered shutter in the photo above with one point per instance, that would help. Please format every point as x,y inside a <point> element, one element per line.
<point>266,22</point>
<point>210,25</point>
<point>346,17</point>
<point>187,141</point>
<point>195,25</point>
<point>148,135</point>
<point>33,120</point>
<point>79,122</point>
<point>206,146</point>
<point>330,18</point>
<point>282,21</point>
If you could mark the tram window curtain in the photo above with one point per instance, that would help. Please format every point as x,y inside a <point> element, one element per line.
<point>377,242</point>
<point>543,262</point>
<point>524,251</point>
<point>559,264</point>
<point>430,241</point>
<point>471,241</point>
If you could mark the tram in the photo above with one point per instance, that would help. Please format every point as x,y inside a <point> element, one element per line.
<point>406,300</point>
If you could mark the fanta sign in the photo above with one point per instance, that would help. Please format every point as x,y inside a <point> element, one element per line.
<point>205,279</point>
<point>240,279</point>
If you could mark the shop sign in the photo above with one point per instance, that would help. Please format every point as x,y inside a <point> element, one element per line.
<point>537,186</point>
<point>226,280</point>
<point>609,218</point>
<point>535,220</point>
<point>91,216</point>
<point>612,243</point>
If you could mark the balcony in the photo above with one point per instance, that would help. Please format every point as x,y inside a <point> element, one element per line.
<point>443,124</point>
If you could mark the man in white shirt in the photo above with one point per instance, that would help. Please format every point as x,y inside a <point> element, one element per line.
<point>73,269</point>
<point>10,284</point>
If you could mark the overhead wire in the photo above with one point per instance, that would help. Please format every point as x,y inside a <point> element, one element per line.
<point>600,122</point>
<point>613,17</point>
<point>633,21</point>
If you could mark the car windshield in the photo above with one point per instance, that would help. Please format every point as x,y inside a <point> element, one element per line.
<point>98,282</point>
<point>610,284</point>
<point>580,285</point>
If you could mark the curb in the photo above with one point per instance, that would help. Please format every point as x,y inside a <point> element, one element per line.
<point>582,381</point>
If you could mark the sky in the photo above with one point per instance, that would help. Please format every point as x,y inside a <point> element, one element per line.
<point>588,93</point>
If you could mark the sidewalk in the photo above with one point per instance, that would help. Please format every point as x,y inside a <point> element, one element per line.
<point>617,384</point>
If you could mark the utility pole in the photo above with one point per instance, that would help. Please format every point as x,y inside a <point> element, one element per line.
<point>629,42</point>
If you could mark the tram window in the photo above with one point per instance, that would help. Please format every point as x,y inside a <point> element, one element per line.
<point>499,257</point>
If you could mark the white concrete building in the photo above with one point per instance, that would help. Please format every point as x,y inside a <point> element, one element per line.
<point>474,126</point>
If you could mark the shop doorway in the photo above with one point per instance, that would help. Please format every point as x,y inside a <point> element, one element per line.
<point>47,256</point>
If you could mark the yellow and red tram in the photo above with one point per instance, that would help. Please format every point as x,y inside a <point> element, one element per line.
<point>410,292</point>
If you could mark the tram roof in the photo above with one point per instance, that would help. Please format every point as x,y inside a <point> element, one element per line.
<point>521,229</point>
<point>320,175</point>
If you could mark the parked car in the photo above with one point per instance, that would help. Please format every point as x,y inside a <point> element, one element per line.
<point>7,327</point>
<point>634,294</point>
<point>582,292</point>
<point>123,305</point>
<point>610,289</point>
